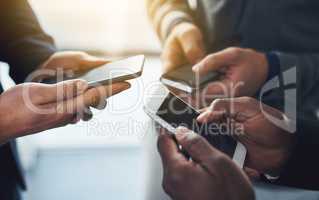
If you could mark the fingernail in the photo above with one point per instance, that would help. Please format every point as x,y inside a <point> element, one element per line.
<point>81,86</point>
<point>195,68</point>
<point>122,86</point>
<point>201,117</point>
<point>127,86</point>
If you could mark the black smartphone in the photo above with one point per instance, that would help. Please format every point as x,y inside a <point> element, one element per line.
<point>117,71</point>
<point>170,112</point>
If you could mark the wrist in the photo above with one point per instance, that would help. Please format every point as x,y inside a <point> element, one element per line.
<point>172,20</point>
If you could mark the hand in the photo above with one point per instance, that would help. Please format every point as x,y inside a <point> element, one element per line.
<point>209,175</point>
<point>244,71</point>
<point>269,145</point>
<point>184,45</point>
<point>73,61</point>
<point>33,107</point>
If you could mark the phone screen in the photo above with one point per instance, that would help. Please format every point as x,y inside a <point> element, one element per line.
<point>177,113</point>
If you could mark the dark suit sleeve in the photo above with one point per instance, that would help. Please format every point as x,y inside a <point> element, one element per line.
<point>302,73</point>
<point>23,44</point>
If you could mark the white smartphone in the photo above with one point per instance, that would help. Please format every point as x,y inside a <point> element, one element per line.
<point>170,112</point>
<point>113,72</point>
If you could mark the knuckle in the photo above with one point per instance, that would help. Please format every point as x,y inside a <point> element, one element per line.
<point>219,160</point>
<point>193,144</point>
<point>35,93</point>
<point>236,52</point>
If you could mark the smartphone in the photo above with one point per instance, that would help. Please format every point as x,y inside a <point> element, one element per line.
<point>117,71</point>
<point>170,112</point>
<point>184,79</point>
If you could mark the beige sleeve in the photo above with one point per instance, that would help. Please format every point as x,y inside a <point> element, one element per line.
<point>166,13</point>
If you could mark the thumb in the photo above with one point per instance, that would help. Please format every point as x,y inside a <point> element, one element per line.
<point>238,109</point>
<point>89,62</point>
<point>215,62</point>
<point>63,90</point>
<point>195,145</point>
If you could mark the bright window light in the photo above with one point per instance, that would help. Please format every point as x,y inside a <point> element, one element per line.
<point>113,26</point>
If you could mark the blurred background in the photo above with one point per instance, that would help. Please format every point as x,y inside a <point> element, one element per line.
<point>110,26</point>
<point>101,159</point>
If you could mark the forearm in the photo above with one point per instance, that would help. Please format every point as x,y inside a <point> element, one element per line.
<point>298,76</point>
<point>24,45</point>
<point>165,14</point>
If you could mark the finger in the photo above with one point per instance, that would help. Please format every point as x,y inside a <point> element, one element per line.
<point>101,105</point>
<point>217,89</point>
<point>216,61</point>
<point>61,119</point>
<point>91,98</point>
<point>45,94</point>
<point>96,96</point>
<point>195,145</point>
<point>89,62</point>
<point>230,107</point>
<point>172,55</point>
<point>65,110</point>
<point>193,46</point>
<point>242,138</point>
<point>168,150</point>
<point>211,116</point>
